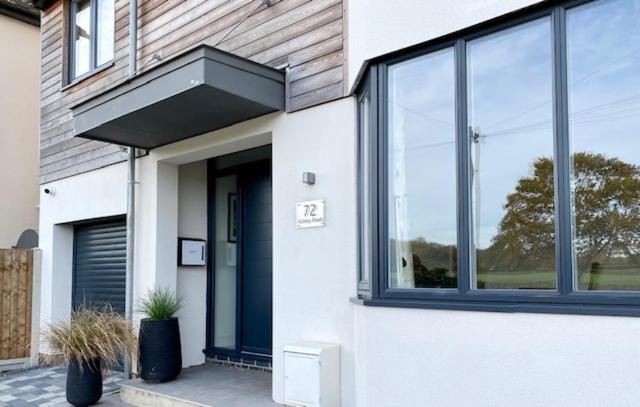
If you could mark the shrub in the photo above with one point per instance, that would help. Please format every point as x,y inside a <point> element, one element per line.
<point>160,304</point>
<point>90,335</point>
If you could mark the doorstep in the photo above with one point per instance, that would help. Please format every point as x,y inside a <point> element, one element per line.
<point>209,385</point>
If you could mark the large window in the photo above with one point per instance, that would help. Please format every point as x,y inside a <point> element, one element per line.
<point>603,82</point>
<point>91,35</point>
<point>422,243</point>
<point>510,120</point>
<point>501,170</point>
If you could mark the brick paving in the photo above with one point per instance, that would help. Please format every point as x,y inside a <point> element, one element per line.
<point>45,387</point>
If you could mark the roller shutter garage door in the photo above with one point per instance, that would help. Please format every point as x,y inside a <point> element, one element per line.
<point>99,265</point>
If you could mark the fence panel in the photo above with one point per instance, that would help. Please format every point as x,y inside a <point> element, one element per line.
<point>16,279</point>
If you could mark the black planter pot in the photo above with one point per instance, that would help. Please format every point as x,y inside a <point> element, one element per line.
<point>84,383</point>
<point>160,357</point>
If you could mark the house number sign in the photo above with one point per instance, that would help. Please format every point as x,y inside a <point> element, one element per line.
<point>310,214</point>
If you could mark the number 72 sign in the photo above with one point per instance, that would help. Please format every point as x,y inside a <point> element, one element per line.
<point>310,214</point>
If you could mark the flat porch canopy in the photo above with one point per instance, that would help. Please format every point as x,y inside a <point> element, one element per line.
<point>202,90</point>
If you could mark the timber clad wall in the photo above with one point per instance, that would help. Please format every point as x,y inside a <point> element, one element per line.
<point>305,34</point>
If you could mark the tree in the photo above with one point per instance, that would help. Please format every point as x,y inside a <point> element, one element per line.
<point>606,201</point>
<point>526,235</point>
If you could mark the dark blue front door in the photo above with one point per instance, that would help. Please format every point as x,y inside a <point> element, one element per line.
<point>255,259</point>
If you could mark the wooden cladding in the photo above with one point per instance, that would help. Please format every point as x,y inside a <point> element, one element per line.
<point>305,35</point>
<point>16,282</point>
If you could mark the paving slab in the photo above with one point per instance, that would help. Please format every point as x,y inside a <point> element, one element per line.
<point>45,387</point>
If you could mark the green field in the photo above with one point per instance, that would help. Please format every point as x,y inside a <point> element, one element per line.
<point>609,280</point>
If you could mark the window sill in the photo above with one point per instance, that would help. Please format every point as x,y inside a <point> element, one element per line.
<point>86,76</point>
<point>485,306</point>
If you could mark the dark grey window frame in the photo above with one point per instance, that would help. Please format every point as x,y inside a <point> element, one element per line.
<point>566,299</point>
<point>364,283</point>
<point>93,53</point>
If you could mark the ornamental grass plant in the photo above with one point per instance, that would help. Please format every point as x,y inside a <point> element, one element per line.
<point>92,335</point>
<point>160,304</point>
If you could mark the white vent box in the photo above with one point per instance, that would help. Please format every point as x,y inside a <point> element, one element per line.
<point>312,375</point>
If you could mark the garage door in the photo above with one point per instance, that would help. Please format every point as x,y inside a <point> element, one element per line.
<point>99,265</point>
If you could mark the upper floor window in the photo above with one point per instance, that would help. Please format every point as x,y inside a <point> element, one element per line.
<point>507,174</point>
<point>92,27</point>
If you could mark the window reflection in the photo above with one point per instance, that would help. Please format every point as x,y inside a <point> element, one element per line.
<point>82,39</point>
<point>106,28</point>
<point>365,170</point>
<point>511,148</point>
<point>422,173</point>
<point>603,55</point>
<point>225,270</point>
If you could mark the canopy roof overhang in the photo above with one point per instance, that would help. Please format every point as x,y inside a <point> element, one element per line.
<point>200,91</point>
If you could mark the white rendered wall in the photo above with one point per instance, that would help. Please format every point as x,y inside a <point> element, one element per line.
<point>95,194</point>
<point>376,27</point>
<point>314,269</point>
<point>192,280</point>
<point>413,357</point>
<point>156,230</point>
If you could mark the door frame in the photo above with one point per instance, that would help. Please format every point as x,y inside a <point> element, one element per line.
<point>210,350</point>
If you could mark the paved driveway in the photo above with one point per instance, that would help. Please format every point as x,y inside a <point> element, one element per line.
<point>46,387</point>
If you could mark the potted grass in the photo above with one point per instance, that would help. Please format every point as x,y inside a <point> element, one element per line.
<point>90,342</point>
<point>160,354</point>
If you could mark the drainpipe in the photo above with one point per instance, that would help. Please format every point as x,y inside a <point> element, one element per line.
<point>131,218</point>
<point>131,182</point>
<point>133,37</point>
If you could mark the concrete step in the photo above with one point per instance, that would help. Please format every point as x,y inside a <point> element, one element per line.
<point>209,385</point>
<point>143,397</point>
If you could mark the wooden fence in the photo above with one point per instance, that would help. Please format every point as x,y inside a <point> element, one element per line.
<point>16,282</point>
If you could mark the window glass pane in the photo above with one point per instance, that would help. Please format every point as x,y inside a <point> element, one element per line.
<point>106,28</point>
<point>224,318</point>
<point>82,38</point>
<point>422,173</point>
<point>365,174</point>
<point>603,51</point>
<point>511,150</point>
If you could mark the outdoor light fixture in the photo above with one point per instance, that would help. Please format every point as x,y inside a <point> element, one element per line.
<point>309,178</point>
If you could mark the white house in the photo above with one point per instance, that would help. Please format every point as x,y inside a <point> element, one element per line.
<point>477,193</point>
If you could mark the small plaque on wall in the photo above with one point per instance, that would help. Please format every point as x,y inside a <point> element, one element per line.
<point>310,214</point>
<point>192,252</point>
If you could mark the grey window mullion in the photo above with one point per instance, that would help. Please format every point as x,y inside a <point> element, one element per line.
<point>374,217</point>
<point>366,139</point>
<point>462,171</point>
<point>360,198</point>
<point>382,152</point>
<point>564,257</point>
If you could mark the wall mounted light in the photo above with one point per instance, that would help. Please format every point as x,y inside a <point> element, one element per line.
<point>309,178</point>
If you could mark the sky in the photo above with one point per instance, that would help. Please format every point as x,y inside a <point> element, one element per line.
<point>510,106</point>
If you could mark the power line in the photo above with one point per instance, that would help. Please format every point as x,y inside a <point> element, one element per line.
<point>425,115</point>
<point>588,75</point>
